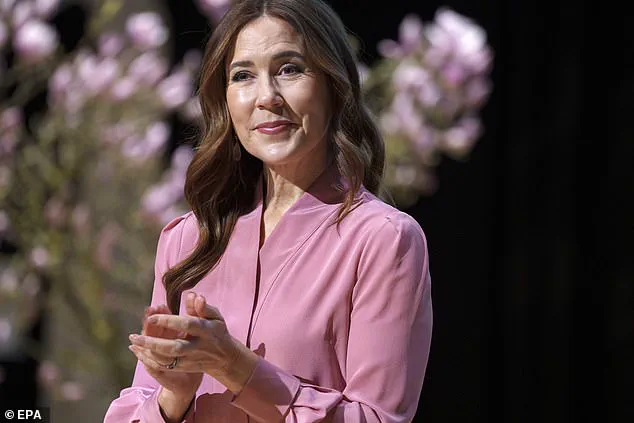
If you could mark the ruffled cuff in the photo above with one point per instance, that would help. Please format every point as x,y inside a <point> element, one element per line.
<point>268,394</point>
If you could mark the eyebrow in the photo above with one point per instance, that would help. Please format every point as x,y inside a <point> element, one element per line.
<point>281,54</point>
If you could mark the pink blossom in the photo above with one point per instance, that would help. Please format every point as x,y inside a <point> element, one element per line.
<point>405,175</point>
<point>123,89</point>
<point>142,147</point>
<point>45,8</point>
<point>103,75</point>
<point>157,199</point>
<point>410,39</point>
<point>35,41</point>
<point>55,212</point>
<point>8,279</point>
<point>31,285</point>
<point>459,139</point>
<point>148,68</point>
<point>175,90</point>
<point>192,60</point>
<point>22,12</point>
<point>146,30</point>
<point>81,218</point>
<point>110,44</point>
<point>6,330</point>
<point>6,6</point>
<point>72,391</point>
<point>462,38</point>
<point>39,257</point>
<point>214,9</point>
<point>192,109</point>
<point>3,34</point>
<point>10,119</point>
<point>48,372</point>
<point>454,73</point>
<point>182,157</point>
<point>477,91</point>
<point>410,33</point>
<point>60,82</point>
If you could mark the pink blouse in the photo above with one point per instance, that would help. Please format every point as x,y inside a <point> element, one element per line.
<point>341,318</point>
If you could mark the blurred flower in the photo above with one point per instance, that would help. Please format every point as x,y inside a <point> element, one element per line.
<point>214,9</point>
<point>80,218</point>
<point>35,41</point>
<point>55,212</point>
<point>8,280</point>
<point>22,12</point>
<point>48,372</point>
<point>6,6</point>
<point>10,119</point>
<point>148,68</point>
<point>39,257</point>
<point>410,39</point>
<point>45,8</point>
<point>459,139</point>
<point>159,201</point>
<point>3,34</point>
<point>145,146</point>
<point>457,36</point>
<point>31,285</point>
<point>123,89</point>
<point>72,391</point>
<point>192,110</point>
<point>192,61</point>
<point>6,330</point>
<point>110,44</point>
<point>175,90</point>
<point>146,30</point>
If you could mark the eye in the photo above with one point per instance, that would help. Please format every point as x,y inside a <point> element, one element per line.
<point>290,67</point>
<point>239,76</point>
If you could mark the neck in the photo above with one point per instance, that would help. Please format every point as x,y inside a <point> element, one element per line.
<point>285,184</point>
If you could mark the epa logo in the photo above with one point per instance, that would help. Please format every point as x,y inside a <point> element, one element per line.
<point>23,414</point>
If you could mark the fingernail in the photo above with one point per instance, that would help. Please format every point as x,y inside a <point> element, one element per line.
<point>133,337</point>
<point>152,319</point>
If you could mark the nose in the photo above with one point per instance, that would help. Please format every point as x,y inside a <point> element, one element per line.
<point>268,94</point>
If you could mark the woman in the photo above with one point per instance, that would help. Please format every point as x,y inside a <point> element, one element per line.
<point>297,294</point>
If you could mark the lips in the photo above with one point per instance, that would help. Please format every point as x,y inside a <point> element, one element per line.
<point>274,129</point>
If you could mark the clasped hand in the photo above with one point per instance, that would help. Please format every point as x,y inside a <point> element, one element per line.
<point>198,343</point>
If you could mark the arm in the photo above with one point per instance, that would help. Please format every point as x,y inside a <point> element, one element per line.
<point>140,402</point>
<point>388,346</point>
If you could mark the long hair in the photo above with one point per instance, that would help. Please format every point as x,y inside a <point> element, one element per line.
<point>219,189</point>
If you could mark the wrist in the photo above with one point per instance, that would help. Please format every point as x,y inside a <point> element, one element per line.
<point>237,372</point>
<point>174,406</point>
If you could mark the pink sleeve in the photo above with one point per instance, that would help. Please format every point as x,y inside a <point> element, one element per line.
<point>388,346</point>
<point>139,402</point>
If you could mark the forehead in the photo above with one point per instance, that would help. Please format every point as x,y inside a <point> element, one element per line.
<point>264,36</point>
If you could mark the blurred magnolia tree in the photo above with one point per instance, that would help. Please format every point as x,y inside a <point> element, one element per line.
<point>84,186</point>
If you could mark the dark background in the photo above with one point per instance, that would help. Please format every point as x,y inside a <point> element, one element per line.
<point>530,240</point>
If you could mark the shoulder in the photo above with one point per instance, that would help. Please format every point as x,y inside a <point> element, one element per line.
<point>179,234</point>
<point>382,221</point>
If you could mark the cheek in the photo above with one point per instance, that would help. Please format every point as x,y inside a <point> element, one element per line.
<point>240,104</point>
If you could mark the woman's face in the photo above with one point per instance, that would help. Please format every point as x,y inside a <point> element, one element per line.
<point>270,79</point>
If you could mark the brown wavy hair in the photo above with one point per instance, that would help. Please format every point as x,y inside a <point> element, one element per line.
<point>220,189</point>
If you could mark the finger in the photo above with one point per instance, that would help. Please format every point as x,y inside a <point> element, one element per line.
<point>189,303</point>
<point>162,359</point>
<point>152,366</point>
<point>206,311</point>
<point>190,324</point>
<point>166,347</point>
